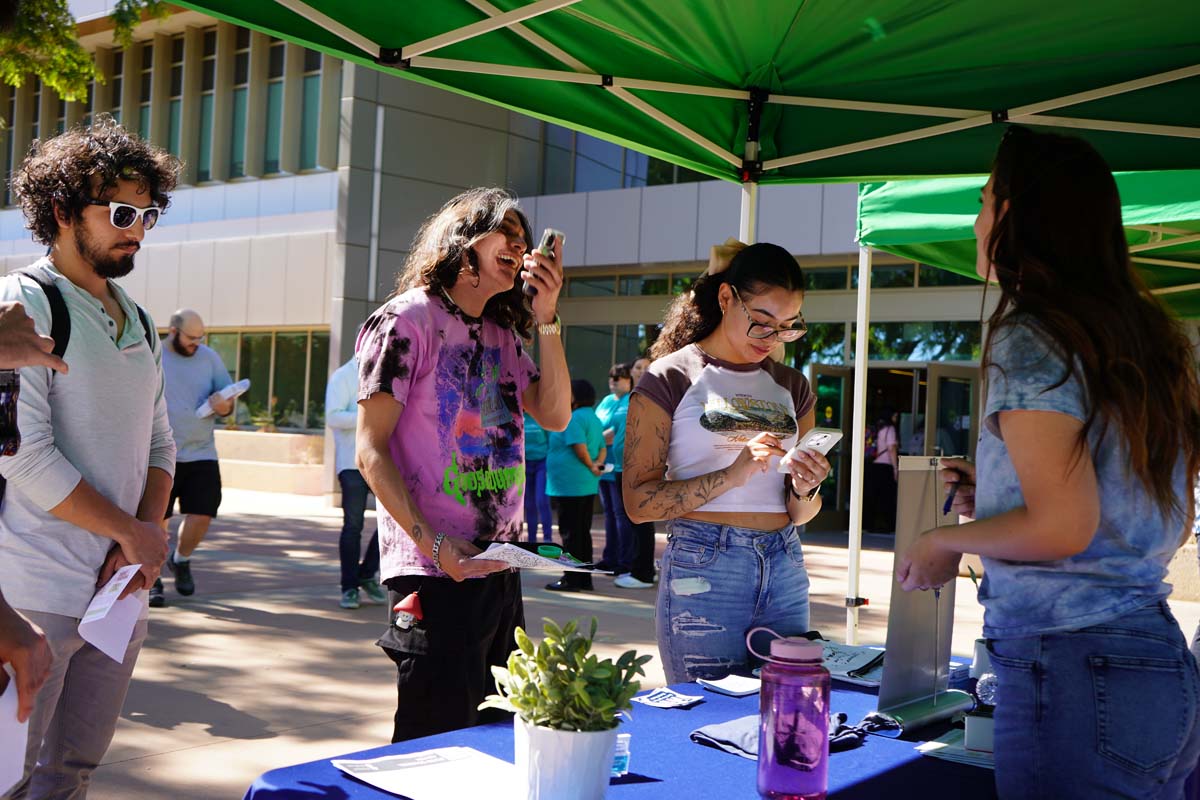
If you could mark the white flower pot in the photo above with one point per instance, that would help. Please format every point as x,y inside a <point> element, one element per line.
<point>562,765</point>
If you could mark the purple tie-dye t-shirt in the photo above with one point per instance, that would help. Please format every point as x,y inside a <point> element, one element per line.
<point>460,442</point>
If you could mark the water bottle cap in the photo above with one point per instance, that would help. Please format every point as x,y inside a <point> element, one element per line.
<point>796,648</point>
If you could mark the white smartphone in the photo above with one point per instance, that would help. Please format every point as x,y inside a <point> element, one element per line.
<point>817,440</point>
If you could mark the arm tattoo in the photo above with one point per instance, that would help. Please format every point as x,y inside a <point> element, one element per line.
<point>647,458</point>
<point>416,533</point>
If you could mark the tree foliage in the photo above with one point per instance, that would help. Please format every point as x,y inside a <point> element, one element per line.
<point>40,39</point>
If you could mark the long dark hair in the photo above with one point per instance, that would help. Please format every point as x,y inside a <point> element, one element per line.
<point>1060,256</point>
<point>435,262</point>
<point>695,314</point>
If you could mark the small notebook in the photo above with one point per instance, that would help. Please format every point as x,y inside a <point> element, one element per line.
<point>732,685</point>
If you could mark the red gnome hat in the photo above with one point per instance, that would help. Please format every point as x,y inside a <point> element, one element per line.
<point>410,605</point>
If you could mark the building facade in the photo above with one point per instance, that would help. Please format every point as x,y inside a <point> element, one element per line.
<point>306,178</point>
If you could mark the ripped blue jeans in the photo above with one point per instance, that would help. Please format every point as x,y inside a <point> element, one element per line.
<point>718,582</point>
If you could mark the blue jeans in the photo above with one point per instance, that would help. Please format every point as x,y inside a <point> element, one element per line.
<point>1103,712</point>
<point>717,583</point>
<point>354,508</point>
<point>537,502</point>
<point>619,538</point>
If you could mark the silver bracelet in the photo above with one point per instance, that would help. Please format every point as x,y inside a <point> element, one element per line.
<point>437,549</point>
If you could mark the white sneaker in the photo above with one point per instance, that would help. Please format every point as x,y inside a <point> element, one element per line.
<point>627,581</point>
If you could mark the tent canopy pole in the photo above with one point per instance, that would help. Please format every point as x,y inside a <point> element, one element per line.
<point>858,444</point>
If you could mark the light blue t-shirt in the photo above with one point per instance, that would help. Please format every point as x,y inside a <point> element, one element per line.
<point>566,475</point>
<point>537,441</point>
<point>1124,566</point>
<point>189,382</point>
<point>612,412</point>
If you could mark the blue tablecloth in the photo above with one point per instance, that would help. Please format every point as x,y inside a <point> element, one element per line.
<point>665,763</point>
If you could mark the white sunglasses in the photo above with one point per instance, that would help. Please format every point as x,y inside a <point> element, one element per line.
<point>123,215</point>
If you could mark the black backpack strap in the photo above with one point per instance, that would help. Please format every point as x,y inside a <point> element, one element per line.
<point>60,318</point>
<point>150,332</point>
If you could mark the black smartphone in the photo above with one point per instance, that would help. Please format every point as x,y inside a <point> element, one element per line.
<point>546,248</point>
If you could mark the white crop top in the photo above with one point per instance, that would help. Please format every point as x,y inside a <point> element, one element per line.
<point>715,408</point>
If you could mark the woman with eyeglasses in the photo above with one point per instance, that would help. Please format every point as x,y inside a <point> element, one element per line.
<point>1090,444</point>
<point>706,426</point>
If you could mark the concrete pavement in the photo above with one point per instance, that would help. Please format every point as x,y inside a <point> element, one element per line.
<point>260,668</point>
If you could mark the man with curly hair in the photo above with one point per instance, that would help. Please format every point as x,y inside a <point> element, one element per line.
<point>88,487</point>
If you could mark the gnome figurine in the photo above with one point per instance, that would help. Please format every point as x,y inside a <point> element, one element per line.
<point>408,611</point>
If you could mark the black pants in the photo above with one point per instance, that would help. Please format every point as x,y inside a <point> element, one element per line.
<point>575,527</point>
<point>643,554</point>
<point>354,509</point>
<point>443,662</point>
<point>879,498</point>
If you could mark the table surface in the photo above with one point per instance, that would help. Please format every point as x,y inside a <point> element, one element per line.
<point>665,763</point>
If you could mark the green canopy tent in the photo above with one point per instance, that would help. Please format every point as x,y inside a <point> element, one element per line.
<point>771,91</point>
<point>932,221</point>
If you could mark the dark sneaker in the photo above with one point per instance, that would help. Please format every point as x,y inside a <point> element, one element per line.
<point>183,575</point>
<point>349,599</point>
<point>375,595</point>
<point>157,598</point>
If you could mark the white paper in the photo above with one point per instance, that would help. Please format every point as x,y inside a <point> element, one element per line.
<point>12,736</point>
<point>523,559</point>
<point>951,748</point>
<point>733,685</point>
<point>668,698</point>
<point>108,622</point>
<point>436,774</point>
<point>229,392</point>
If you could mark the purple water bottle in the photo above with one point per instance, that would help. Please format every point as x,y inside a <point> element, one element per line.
<point>793,734</point>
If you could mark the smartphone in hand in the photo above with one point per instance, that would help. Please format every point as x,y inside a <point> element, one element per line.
<point>546,248</point>
<point>817,440</point>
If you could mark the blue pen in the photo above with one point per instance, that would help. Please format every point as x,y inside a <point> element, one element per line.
<point>949,499</point>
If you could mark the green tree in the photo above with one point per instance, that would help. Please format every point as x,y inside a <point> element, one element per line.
<point>38,37</point>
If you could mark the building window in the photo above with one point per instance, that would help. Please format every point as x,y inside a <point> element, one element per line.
<point>274,121</point>
<point>888,276</point>
<point>576,162</point>
<point>924,341</point>
<point>146,90</point>
<point>241,93</point>
<point>11,110</point>
<point>288,371</point>
<point>208,82</point>
<point>175,102</point>
<point>310,109</point>
<point>640,285</point>
<point>592,286</point>
<point>824,279</point>
<point>825,343</point>
<point>118,82</point>
<point>932,276</point>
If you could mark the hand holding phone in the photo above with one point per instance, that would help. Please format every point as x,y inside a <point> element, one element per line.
<point>817,440</point>
<point>545,247</point>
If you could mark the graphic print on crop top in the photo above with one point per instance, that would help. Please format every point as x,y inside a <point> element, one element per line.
<point>716,408</point>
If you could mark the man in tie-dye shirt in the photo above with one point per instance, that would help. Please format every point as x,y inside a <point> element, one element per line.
<point>444,381</point>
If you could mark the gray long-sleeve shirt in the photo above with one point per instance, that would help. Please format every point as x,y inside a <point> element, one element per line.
<point>105,422</point>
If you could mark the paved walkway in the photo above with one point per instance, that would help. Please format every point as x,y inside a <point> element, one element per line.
<point>260,668</point>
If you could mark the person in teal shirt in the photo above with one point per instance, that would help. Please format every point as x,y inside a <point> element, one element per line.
<point>537,502</point>
<point>618,530</point>
<point>574,463</point>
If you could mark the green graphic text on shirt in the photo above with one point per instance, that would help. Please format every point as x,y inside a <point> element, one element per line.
<point>459,484</point>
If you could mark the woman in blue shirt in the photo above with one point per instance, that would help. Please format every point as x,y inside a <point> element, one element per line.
<point>573,466</point>
<point>1091,440</point>
<point>537,502</point>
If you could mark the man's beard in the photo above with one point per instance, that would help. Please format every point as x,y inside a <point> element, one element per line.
<point>179,348</point>
<point>104,265</point>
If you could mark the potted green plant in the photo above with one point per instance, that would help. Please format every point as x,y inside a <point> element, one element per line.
<point>567,704</point>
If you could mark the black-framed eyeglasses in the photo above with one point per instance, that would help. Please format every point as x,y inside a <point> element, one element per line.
<point>123,215</point>
<point>761,330</point>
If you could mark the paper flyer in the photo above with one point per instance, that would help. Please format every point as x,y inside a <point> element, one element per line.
<point>108,622</point>
<point>229,392</point>
<point>436,774</point>
<point>518,557</point>
<point>12,736</point>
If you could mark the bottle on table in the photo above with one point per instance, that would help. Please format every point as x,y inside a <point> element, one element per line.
<point>793,736</point>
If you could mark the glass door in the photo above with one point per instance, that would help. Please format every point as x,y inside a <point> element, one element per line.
<point>952,412</point>
<point>834,388</point>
